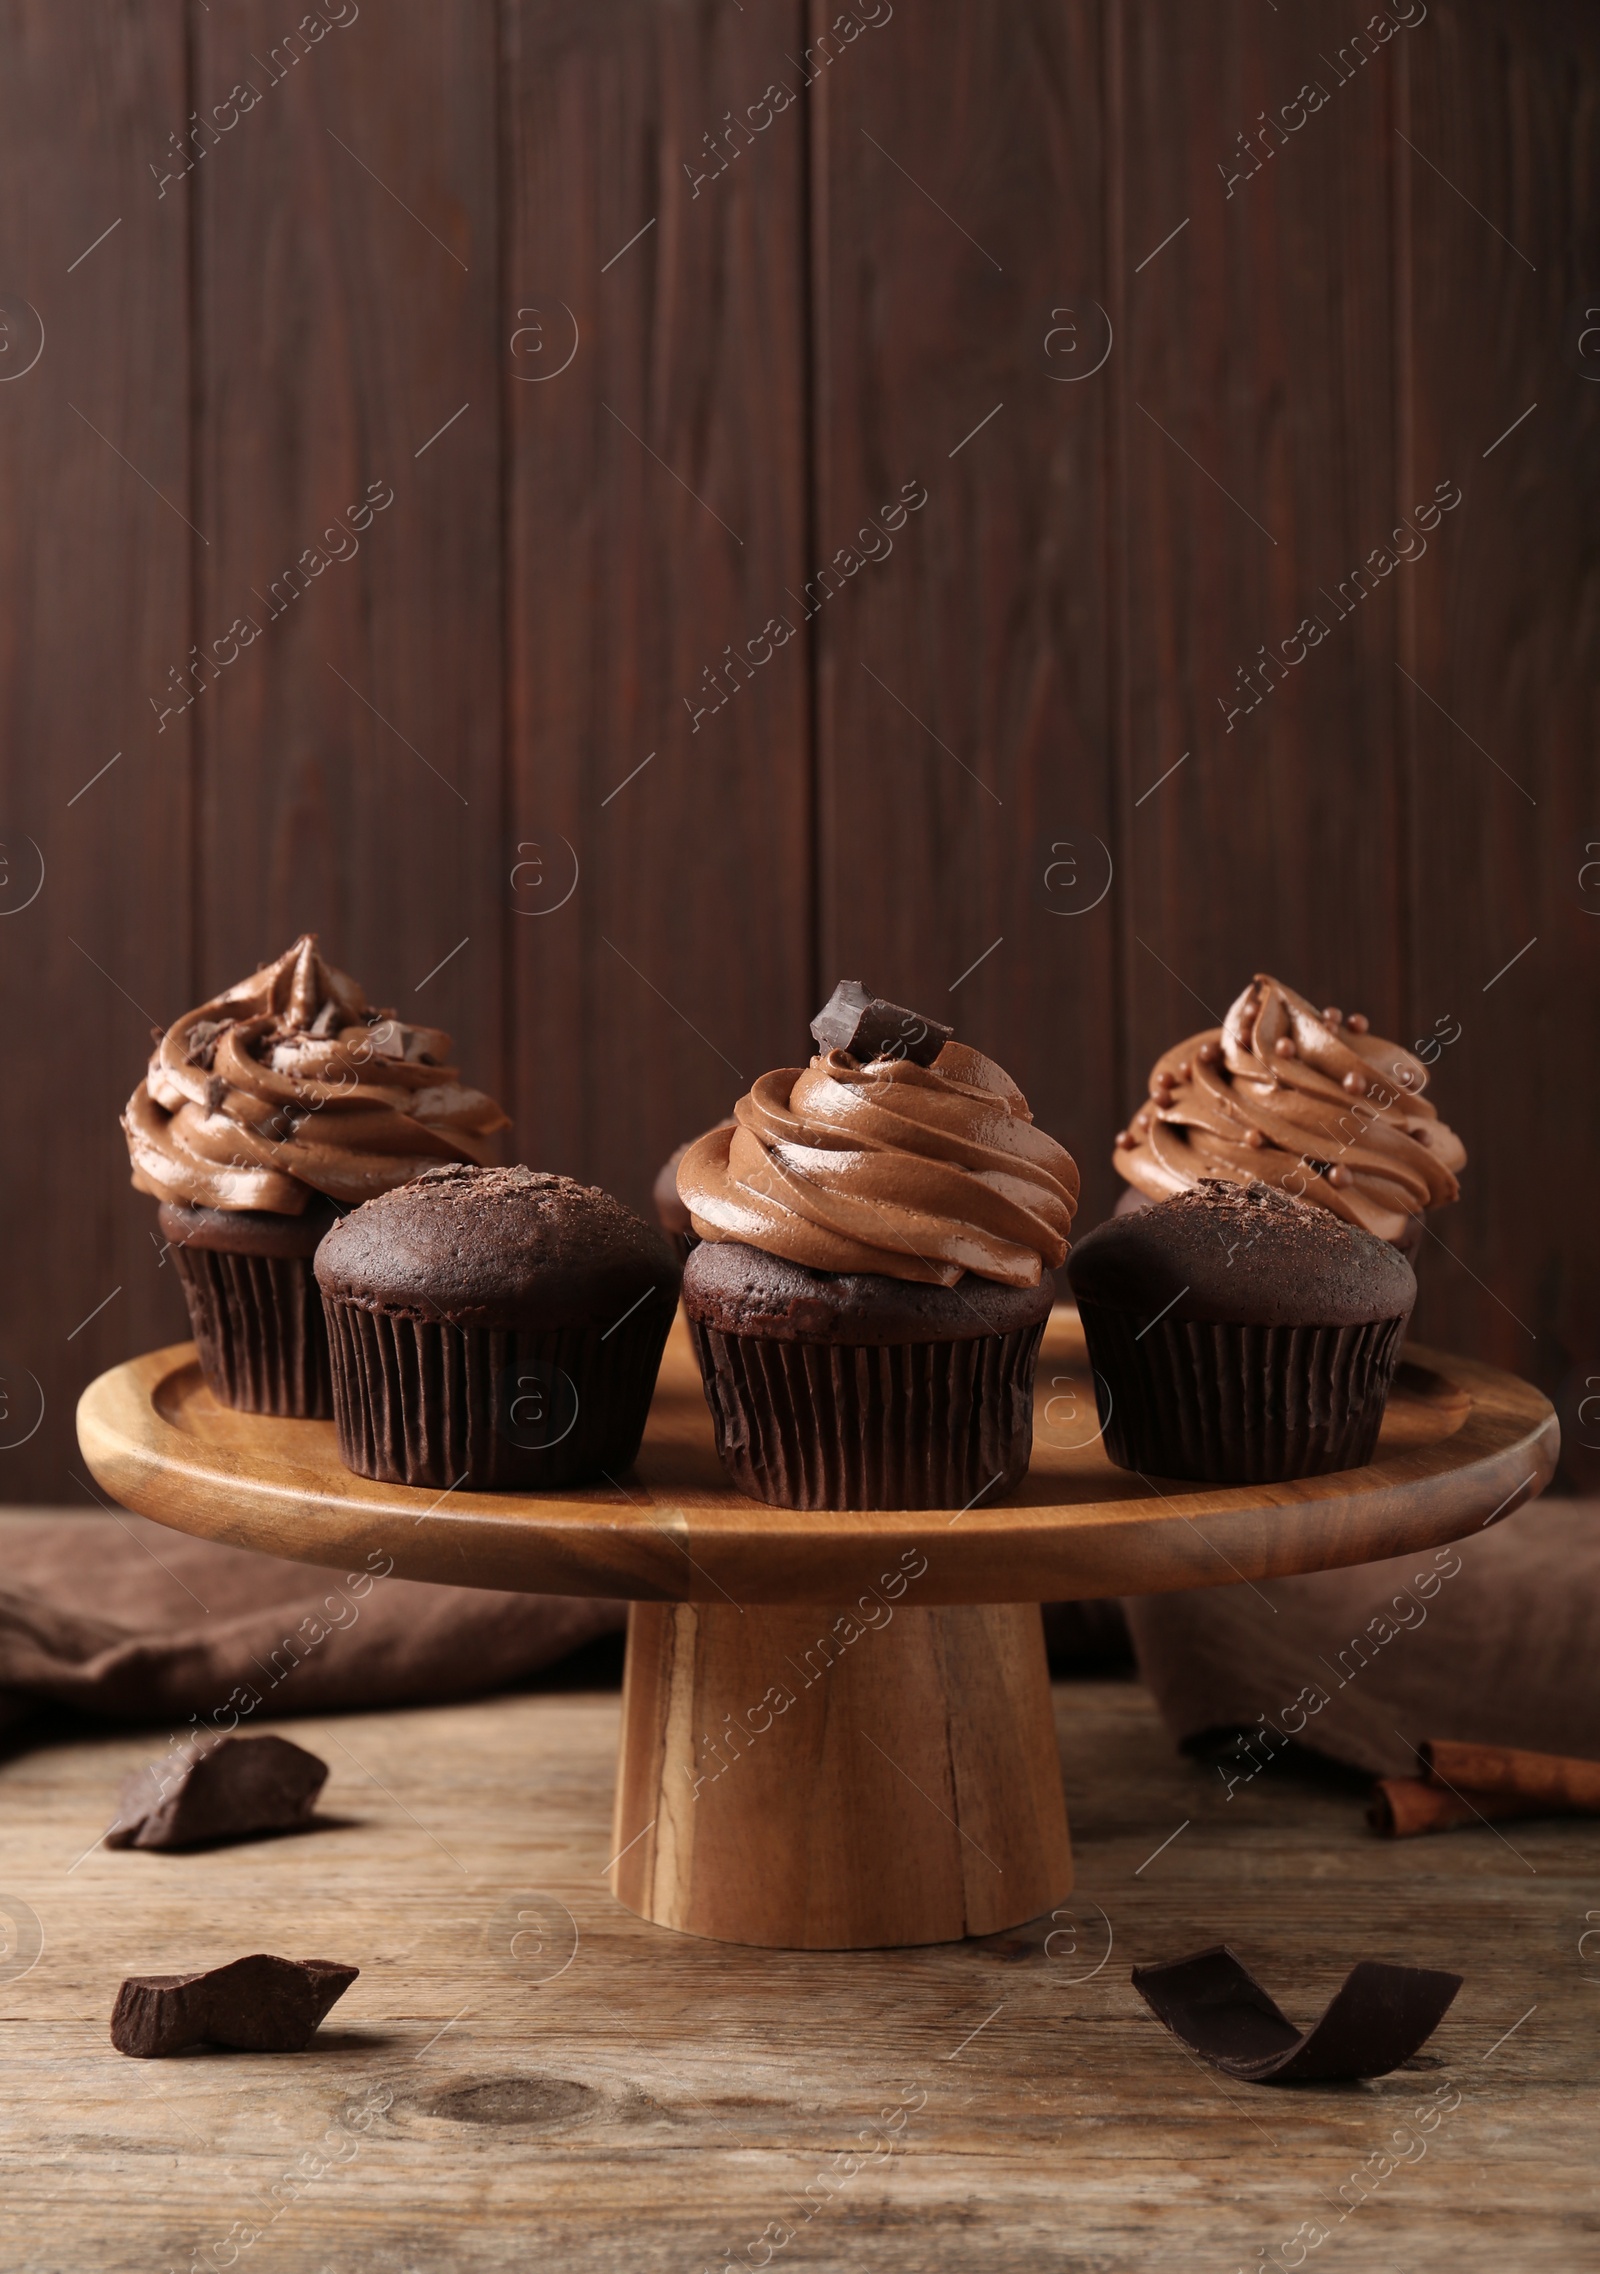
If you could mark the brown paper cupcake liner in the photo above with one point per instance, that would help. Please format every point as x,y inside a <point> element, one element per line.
<point>1239,1404</point>
<point>424,1402</point>
<point>257,1321</point>
<point>899,1425</point>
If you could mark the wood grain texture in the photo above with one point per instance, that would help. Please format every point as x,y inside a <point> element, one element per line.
<point>571,2081</point>
<point>1257,446</point>
<point>347,264</point>
<point>960,190</point>
<point>1461,1444</point>
<point>1503,714</point>
<point>657,933</point>
<point>815,1780</point>
<point>820,306</point>
<point>95,555</point>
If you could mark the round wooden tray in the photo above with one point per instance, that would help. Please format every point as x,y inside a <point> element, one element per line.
<point>836,1728</point>
<point>1459,1441</point>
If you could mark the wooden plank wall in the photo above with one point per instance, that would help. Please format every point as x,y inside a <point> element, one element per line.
<point>656,506</point>
<point>97,885</point>
<point>986,313</point>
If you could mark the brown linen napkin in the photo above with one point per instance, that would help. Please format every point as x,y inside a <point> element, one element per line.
<point>121,1618</point>
<point>1466,1784</point>
<point>1495,1640</point>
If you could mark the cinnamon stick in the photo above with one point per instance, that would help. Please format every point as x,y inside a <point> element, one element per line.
<point>1472,1784</point>
<point>1401,1806</point>
<point>1553,1780</point>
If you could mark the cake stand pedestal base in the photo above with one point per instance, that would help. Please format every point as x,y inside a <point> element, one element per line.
<point>790,1776</point>
<point>803,1781</point>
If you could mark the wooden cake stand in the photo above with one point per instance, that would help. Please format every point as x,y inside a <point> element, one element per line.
<point>836,1729</point>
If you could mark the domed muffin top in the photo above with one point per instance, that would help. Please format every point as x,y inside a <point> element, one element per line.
<point>499,1247</point>
<point>1241,1255</point>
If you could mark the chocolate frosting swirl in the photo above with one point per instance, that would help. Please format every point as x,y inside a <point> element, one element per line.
<point>1306,1100</point>
<point>290,1085</point>
<point>913,1172</point>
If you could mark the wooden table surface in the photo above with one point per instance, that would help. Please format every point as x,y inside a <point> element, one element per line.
<point>527,2075</point>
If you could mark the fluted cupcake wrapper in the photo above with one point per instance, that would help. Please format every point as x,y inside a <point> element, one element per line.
<point>1239,1404</point>
<point>425,1402</point>
<point>257,1321</point>
<point>898,1425</point>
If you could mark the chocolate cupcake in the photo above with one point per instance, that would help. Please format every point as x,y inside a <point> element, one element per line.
<point>494,1328</point>
<point>878,1231</point>
<point>262,1115</point>
<point>1239,1336</point>
<point>671,1213</point>
<point>1307,1101</point>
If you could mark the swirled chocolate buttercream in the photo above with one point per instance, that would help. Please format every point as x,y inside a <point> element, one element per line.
<point>290,1084</point>
<point>1306,1100</point>
<point>911,1171</point>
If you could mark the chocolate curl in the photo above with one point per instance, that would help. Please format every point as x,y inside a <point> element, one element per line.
<point>259,2004</point>
<point>868,1027</point>
<point>1379,2018</point>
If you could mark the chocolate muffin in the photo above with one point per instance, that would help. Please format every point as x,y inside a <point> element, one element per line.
<point>497,1328</point>
<point>878,1231</point>
<point>1405,1242</point>
<point>1311,1102</point>
<point>1239,1336</point>
<point>262,1115</point>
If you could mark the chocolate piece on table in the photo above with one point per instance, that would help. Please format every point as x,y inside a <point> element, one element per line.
<point>222,1791</point>
<point>253,2005</point>
<point>868,1027</point>
<point>1378,2018</point>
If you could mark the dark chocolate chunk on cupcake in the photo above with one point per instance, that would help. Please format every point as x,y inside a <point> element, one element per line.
<point>498,1328</point>
<point>875,1270</point>
<point>1239,1336</point>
